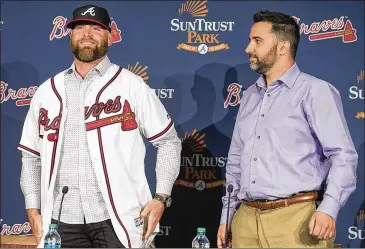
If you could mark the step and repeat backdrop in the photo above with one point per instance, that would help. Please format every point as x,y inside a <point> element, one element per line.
<point>192,54</point>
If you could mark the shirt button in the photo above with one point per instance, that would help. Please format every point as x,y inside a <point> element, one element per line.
<point>268,95</point>
<point>262,115</point>
<point>258,137</point>
<point>253,182</point>
<point>255,159</point>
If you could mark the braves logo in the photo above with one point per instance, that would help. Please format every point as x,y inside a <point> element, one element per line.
<point>109,107</point>
<point>91,11</point>
<point>337,26</point>
<point>22,95</point>
<point>127,118</point>
<point>233,97</point>
<point>15,228</point>
<point>46,122</point>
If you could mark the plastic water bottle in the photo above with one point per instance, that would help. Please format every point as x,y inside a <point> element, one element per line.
<point>52,239</point>
<point>200,240</point>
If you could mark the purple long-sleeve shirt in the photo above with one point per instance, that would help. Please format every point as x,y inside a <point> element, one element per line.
<point>288,138</point>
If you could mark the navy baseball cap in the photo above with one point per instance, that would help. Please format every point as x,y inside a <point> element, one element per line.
<point>90,13</point>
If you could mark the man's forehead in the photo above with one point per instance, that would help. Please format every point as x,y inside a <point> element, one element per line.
<point>87,23</point>
<point>261,29</point>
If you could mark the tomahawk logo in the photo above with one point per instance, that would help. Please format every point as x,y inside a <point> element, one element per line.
<point>91,11</point>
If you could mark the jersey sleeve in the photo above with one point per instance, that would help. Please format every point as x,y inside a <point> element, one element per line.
<point>29,142</point>
<point>154,121</point>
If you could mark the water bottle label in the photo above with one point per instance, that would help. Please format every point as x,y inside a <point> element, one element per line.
<point>51,245</point>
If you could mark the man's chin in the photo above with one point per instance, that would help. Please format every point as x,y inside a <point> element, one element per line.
<point>86,49</point>
<point>253,66</point>
<point>85,58</point>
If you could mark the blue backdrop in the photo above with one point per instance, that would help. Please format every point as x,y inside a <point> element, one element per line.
<point>198,75</point>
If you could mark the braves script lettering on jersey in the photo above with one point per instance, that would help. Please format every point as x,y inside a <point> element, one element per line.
<point>119,110</point>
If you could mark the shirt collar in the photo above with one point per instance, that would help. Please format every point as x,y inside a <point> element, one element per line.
<point>288,78</point>
<point>100,68</point>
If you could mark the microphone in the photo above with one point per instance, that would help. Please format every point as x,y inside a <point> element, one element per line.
<point>229,189</point>
<point>64,191</point>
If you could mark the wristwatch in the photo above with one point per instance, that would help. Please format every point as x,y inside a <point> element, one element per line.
<point>165,200</point>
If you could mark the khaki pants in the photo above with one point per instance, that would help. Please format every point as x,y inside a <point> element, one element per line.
<point>281,227</point>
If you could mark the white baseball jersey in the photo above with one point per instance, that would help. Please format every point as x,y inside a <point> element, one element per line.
<point>119,110</point>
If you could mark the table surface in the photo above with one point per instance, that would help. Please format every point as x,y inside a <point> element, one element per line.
<point>30,241</point>
<point>18,240</point>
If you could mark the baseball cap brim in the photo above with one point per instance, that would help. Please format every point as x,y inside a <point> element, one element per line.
<point>71,24</point>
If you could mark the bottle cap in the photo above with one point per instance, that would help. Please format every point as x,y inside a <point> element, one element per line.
<point>54,226</point>
<point>201,230</point>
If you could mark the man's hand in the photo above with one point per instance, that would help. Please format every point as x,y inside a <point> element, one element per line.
<point>221,236</point>
<point>322,225</point>
<point>153,212</point>
<point>36,223</point>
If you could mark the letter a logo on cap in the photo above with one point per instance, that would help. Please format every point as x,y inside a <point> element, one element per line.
<point>91,11</point>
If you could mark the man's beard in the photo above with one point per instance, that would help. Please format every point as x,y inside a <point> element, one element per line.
<point>89,54</point>
<point>263,65</point>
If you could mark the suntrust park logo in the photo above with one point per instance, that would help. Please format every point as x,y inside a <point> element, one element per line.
<point>199,169</point>
<point>202,35</point>
<point>60,30</point>
<point>357,91</point>
<point>140,70</point>
<point>21,96</point>
<point>327,29</point>
<point>354,232</point>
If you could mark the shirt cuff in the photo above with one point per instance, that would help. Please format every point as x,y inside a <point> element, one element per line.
<point>164,187</point>
<point>329,206</point>
<point>32,201</point>
<point>224,215</point>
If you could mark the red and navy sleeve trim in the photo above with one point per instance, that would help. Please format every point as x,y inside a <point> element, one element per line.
<point>36,153</point>
<point>162,132</point>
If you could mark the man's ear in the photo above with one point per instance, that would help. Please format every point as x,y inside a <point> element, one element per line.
<point>110,39</point>
<point>284,47</point>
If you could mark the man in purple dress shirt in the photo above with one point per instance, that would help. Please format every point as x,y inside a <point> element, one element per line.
<point>292,162</point>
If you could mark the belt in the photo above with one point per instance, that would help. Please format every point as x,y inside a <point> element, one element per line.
<point>298,198</point>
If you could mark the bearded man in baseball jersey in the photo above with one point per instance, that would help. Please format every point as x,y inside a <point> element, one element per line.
<point>84,130</point>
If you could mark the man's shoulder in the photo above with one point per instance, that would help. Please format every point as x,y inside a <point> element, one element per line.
<point>46,85</point>
<point>311,79</point>
<point>314,84</point>
<point>134,80</point>
<point>130,75</point>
